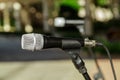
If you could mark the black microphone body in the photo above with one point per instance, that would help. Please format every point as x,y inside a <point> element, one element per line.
<point>64,43</point>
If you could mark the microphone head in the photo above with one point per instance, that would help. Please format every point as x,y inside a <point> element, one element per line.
<point>32,41</point>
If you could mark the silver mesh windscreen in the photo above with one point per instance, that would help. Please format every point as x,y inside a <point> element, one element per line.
<point>32,41</point>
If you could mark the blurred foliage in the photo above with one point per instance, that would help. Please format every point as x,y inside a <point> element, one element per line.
<point>71,3</point>
<point>102,2</point>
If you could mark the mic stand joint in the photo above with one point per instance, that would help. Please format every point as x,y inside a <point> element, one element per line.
<point>80,65</point>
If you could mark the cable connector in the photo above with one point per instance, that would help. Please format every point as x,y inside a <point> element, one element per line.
<point>89,43</point>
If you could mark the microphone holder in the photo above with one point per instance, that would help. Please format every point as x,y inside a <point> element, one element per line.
<point>80,65</point>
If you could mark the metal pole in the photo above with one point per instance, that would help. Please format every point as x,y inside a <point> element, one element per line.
<point>88,19</point>
<point>45,16</point>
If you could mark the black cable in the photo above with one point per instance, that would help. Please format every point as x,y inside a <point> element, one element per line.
<point>110,58</point>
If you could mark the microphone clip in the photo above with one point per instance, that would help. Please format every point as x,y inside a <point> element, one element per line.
<point>80,65</point>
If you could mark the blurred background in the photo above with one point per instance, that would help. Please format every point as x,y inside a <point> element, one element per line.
<point>96,19</point>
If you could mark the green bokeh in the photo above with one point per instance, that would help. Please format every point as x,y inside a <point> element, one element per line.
<point>72,3</point>
<point>103,2</point>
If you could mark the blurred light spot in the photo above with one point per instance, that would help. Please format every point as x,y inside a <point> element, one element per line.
<point>81,2</point>
<point>17,6</point>
<point>2,5</point>
<point>108,14</point>
<point>102,14</point>
<point>50,21</point>
<point>6,28</point>
<point>28,28</point>
<point>82,12</point>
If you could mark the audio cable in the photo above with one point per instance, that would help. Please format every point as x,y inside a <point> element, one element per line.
<point>110,59</point>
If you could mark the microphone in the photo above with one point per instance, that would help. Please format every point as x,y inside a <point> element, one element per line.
<point>61,22</point>
<point>34,41</point>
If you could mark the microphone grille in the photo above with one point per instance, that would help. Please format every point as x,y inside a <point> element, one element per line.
<point>32,41</point>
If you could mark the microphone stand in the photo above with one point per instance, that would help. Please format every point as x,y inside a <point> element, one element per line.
<point>80,65</point>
